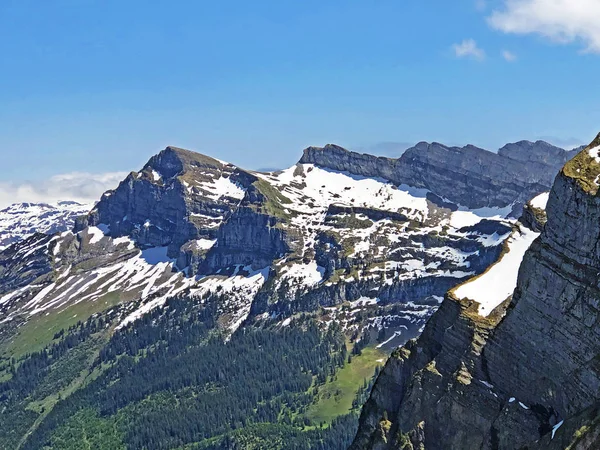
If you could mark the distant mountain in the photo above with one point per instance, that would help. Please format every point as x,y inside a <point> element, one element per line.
<point>468,176</point>
<point>21,220</point>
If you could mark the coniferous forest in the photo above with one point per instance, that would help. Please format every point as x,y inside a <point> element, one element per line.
<point>172,380</point>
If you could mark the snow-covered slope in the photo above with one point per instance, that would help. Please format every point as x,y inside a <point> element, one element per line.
<point>500,280</point>
<point>21,220</point>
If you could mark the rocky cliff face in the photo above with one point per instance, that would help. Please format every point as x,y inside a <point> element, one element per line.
<point>178,196</point>
<point>526,374</point>
<point>469,176</point>
<point>254,234</point>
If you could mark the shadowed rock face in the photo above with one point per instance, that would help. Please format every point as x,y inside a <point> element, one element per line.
<point>251,236</point>
<point>469,176</point>
<point>506,380</point>
<point>170,201</point>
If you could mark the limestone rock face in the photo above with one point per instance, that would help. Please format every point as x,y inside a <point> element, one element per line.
<point>469,176</point>
<point>505,381</point>
<point>178,196</point>
<point>251,235</point>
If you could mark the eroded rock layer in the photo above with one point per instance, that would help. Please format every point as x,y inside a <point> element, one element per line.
<point>468,175</point>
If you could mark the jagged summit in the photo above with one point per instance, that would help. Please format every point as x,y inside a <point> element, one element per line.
<point>596,141</point>
<point>173,161</point>
<point>178,195</point>
<point>314,155</point>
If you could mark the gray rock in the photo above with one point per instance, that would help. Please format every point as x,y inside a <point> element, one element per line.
<point>469,176</point>
<point>168,203</point>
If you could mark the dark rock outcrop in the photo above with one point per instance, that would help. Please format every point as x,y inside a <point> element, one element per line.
<point>253,234</point>
<point>170,201</point>
<point>469,176</point>
<point>533,218</point>
<point>528,375</point>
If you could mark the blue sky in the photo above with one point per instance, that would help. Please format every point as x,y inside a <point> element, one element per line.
<point>100,86</point>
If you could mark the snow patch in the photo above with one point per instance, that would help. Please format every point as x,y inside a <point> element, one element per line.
<point>594,152</point>
<point>556,427</point>
<point>204,244</point>
<point>491,240</point>
<point>240,289</point>
<point>468,217</point>
<point>394,336</point>
<point>346,189</point>
<point>224,187</point>
<point>364,301</point>
<point>307,274</point>
<point>495,285</point>
<point>95,234</point>
<point>540,201</point>
<point>124,240</point>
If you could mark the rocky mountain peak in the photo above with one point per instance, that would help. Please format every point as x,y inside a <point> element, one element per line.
<point>422,145</point>
<point>179,195</point>
<point>173,161</point>
<point>596,141</point>
<point>330,152</point>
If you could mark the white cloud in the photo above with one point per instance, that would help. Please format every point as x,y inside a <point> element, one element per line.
<point>468,49</point>
<point>562,21</point>
<point>509,56</point>
<point>77,186</point>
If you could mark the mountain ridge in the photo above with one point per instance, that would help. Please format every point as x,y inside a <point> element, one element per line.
<point>524,377</point>
<point>427,165</point>
<point>21,220</point>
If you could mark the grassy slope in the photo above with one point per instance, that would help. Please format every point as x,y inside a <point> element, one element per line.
<point>39,330</point>
<point>335,397</point>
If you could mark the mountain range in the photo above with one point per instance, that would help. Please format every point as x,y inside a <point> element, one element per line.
<point>330,265</point>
